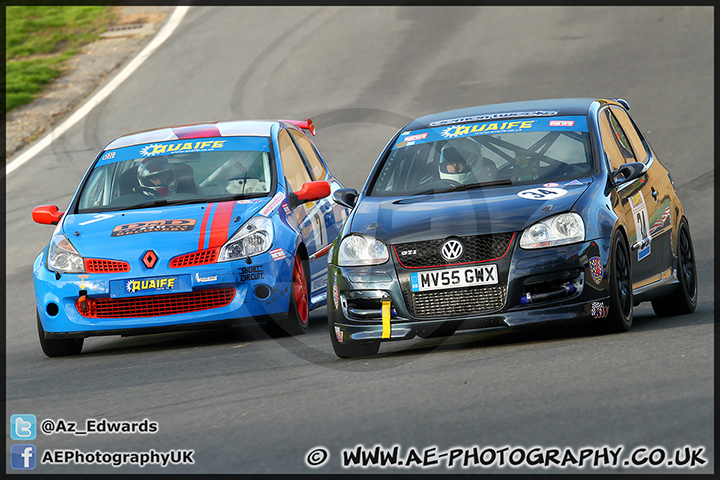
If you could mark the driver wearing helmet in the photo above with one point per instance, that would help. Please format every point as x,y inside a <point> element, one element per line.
<point>157,177</point>
<point>461,160</point>
<point>525,168</point>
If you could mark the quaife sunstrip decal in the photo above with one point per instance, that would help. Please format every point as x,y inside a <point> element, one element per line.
<point>417,137</point>
<point>179,225</point>
<point>213,144</point>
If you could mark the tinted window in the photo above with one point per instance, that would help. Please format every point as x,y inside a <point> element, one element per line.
<point>615,142</point>
<point>293,165</point>
<point>523,151</point>
<point>641,153</point>
<point>197,170</point>
<point>306,147</point>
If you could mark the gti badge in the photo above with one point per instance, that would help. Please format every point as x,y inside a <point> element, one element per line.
<point>452,250</point>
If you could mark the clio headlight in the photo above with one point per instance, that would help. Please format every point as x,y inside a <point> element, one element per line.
<point>62,256</point>
<point>561,229</point>
<point>253,238</point>
<point>358,250</point>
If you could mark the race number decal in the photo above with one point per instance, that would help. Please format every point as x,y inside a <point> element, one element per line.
<point>640,217</point>
<point>544,193</point>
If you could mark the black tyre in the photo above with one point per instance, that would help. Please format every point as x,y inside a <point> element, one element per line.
<point>620,317</point>
<point>58,347</point>
<point>683,299</point>
<point>296,320</point>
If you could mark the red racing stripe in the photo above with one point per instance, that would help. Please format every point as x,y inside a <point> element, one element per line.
<point>201,244</point>
<point>221,224</point>
<point>196,131</point>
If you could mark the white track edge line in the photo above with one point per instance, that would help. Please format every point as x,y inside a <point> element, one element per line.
<point>162,35</point>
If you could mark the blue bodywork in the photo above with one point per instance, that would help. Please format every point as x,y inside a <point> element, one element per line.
<point>305,230</point>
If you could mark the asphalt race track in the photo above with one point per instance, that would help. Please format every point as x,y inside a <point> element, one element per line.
<point>247,403</point>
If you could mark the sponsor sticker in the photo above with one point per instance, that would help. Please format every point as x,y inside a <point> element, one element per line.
<point>277,254</point>
<point>562,123</point>
<point>419,136</point>
<point>336,297</point>
<point>150,286</point>
<point>200,279</point>
<point>108,156</point>
<point>545,193</point>
<point>255,272</point>
<point>492,116</point>
<point>551,184</point>
<point>599,310</point>
<point>272,204</point>
<point>490,127</point>
<point>338,334</point>
<point>596,270</point>
<point>574,182</point>
<point>640,217</point>
<point>182,146</point>
<point>132,286</point>
<point>180,225</point>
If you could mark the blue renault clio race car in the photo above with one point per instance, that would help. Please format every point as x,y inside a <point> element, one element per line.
<point>506,216</point>
<point>187,227</point>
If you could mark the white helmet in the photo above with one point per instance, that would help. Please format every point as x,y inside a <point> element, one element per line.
<point>457,158</point>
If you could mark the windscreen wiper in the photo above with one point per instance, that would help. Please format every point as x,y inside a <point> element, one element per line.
<point>462,187</point>
<point>159,202</point>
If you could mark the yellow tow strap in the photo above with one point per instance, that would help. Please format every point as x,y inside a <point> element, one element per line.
<point>386,318</point>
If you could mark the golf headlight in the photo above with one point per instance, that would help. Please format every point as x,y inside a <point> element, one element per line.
<point>358,250</point>
<point>253,238</point>
<point>63,257</point>
<point>558,230</point>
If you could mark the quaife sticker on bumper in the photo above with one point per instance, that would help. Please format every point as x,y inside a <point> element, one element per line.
<point>454,278</point>
<point>150,286</point>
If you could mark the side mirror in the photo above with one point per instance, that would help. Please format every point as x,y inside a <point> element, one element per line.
<point>46,215</point>
<point>627,172</point>
<point>346,197</point>
<point>309,192</point>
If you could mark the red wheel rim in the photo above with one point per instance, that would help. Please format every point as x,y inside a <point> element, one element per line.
<point>300,291</point>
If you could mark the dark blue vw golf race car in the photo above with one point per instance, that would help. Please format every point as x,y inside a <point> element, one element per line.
<point>186,227</point>
<point>505,216</point>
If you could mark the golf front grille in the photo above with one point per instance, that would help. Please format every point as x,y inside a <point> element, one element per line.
<point>476,248</point>
<point>455,302</point>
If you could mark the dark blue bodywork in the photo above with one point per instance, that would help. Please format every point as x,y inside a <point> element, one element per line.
<point>357,293</point>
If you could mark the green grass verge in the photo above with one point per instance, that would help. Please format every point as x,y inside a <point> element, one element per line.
<point>38,41</point>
